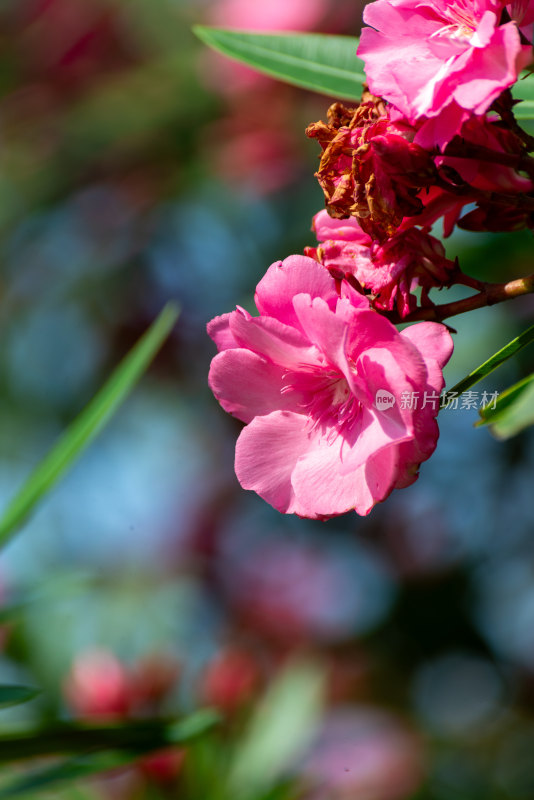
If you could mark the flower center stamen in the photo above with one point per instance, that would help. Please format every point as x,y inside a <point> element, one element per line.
<point>461,23</point>
<point>328,401</point>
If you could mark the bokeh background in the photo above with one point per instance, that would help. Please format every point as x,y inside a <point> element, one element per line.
<point>136,167</point>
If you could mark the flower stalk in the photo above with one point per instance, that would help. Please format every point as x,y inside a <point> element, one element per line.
<point>490,294</point>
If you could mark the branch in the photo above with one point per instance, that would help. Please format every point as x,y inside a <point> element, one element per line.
<point>467,150</point>
<point>519,200</point>
<point>490,294</point>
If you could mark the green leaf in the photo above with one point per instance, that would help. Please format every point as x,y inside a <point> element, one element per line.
<point>88,424</point>
<point>15,695</point>
<point>523,90</point>
<point>8,613</point>
<point>285,790</point>
<point>192,726</point>
<point>326,64</point>
<point>495,361</point>
<point>281,728</point>
<point>513,410</point>
<point>110,747</point>
<point>80,739</point>
<point>74,769</point>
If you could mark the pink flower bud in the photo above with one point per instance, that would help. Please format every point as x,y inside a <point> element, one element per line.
<point>230,680</point>
<point>98,686</point>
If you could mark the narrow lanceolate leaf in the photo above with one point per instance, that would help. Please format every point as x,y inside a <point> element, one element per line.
<point>325,64</point>
<point>88,424</point>
<point>281,728</point>
<point>52,777</point>
<point>495,361</point>
<point>15,695</point>
<point>523,90</point>
<point>101,749</point>
<point>513,410</point>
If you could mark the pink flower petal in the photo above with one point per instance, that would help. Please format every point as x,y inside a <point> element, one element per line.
<point>349,230</point>
<point>266,454</point>
<point>319,483</point>
<point>327,330</point>
<point>281,343</point>
<point>285,279</point>
<point>377,430</point>
<point>247,385</point>
<point>435,344</point>
<point>395,370</point>
<point>219,331</point>
<point>411,454</point>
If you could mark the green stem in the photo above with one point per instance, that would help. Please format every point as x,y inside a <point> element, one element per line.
<point>75,738</point>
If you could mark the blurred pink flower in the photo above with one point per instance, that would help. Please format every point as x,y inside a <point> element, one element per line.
<point>101,687</point>
<point>98,686</point>
<point>72,43</point>
<point>256,149</point>
<point>320,379</point>
<point>293,592</point>
<point>269,15</point>
<point>391,270</point>
<point>299,593</point>
<point>260,15</point>
<point>230,680</point>
<point>364,753</point>
<point>442,59</point>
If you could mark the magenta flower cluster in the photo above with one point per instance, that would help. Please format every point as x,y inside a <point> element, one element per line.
<point>318,376</point>
<point>438,62</point>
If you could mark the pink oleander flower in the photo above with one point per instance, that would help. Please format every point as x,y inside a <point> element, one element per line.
<point>442,60</point>
<point>391,270</point>
<point>485,134</point>
<point>322,382</point>
<point>372,169</point>
<point>487,158</point>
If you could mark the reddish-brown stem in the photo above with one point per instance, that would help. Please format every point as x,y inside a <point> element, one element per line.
<point>522,201</point>
<point>467,150</point>
<point>466,280</point>
<point>490,294</point>
<point>504,107</point>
